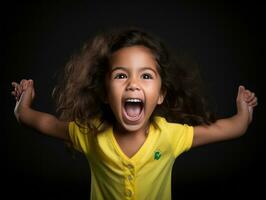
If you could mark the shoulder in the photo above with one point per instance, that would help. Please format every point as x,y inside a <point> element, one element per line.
<point>82,135</point>
<point>174,131</point>
<point>94,124</point>
<point>162,123</point>
<point>179,136</point>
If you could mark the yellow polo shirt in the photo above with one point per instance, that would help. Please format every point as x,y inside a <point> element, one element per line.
<point>146,175</point>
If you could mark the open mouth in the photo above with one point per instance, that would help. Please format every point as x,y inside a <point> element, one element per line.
<point>133,110</point>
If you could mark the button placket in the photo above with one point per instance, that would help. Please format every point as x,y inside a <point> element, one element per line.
<point>129,180</point>
<point>130,177</point>
<point>128,193</point>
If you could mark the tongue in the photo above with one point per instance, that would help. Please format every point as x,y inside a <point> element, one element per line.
<point>133,109</point>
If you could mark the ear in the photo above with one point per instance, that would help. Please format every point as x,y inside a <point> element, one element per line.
<point>161,97</point>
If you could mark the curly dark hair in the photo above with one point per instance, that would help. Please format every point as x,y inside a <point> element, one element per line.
<point>81,92</point>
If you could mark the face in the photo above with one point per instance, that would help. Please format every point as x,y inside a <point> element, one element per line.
<point>133,87</point>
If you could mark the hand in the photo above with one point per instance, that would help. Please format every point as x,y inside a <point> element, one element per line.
<point>246,101</point>
<point>24,94</point>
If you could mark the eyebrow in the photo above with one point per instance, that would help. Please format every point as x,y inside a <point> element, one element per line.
<point>118,68</point>
<point>125,69</point>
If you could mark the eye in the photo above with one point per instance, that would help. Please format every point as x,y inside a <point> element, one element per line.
<point>120,76</point>
<point>147,76</point>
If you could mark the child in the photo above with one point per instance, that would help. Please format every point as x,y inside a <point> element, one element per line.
<point>132,110</point>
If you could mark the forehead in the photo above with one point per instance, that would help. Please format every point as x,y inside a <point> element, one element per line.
<point>135,56</point>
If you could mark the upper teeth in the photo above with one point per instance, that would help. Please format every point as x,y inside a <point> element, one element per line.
<point>133,100</point>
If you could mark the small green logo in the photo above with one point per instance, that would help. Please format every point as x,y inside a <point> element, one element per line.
<point>157,155</point>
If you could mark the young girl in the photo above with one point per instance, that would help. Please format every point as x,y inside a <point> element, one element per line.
<point>132,110</point>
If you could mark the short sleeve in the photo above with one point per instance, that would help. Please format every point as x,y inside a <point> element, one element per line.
<point>184,143</point>
<point>79,139</point>
<point>182,139</point>
<point>180,136</point>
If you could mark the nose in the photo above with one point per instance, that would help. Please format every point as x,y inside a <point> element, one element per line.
<point>132,85</point>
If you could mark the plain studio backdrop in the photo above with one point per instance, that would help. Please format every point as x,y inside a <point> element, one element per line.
<point>226,40</point>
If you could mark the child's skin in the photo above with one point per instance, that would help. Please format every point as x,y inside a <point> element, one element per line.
<point>133,75</point>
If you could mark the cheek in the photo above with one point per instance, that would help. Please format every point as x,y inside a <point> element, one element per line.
<point>154,88</point>
<point>153,92</point>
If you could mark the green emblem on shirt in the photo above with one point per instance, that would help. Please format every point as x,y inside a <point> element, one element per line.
<point>157,155</point>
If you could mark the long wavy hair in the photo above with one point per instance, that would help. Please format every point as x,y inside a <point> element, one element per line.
<point>81,91</point>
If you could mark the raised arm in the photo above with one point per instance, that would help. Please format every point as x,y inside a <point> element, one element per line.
<point>231,127</point>
<point>43,122</point>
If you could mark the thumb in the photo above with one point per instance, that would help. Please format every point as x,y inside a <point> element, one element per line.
<point>31,86</point>
<point>240,93</point>
<point>241,104</point>
<point>28,94</point>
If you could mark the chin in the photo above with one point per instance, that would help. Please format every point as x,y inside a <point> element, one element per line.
<point>132,127</point>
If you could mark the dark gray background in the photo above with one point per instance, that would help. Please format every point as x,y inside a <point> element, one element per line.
<point>226,39</point>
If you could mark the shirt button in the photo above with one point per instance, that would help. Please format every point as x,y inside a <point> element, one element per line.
<point>130,177</point>
<point>129,166</point>
<point>129,193</point>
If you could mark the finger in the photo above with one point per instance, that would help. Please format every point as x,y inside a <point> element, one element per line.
<point>253,106</point>
<point>251,97</point>
<point>17,95</point>
<point>13,93</point>
<point>19,89</point>
<point>254,102</point>
<point>14,84</point>
<point>31,81</point>
<point>26,84</point>
<point>23,84</point>
<point>16,90</point>
<point>247,94</point>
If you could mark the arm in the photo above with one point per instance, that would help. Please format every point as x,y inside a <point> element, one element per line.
<point>231,127</point>
<point>42,122</point>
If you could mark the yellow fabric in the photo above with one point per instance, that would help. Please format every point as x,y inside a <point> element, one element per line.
<point>146,175</point>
